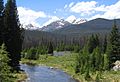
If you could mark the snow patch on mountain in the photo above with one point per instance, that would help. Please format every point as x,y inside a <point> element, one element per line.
<point>30,27</point>
<point>55,25</point>
<point>73,20</point>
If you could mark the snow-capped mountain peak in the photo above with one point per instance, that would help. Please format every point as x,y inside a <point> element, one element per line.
<point>30,27</point>
<point>55,25</point>
<point>73,20</point>
<point>79,21</point>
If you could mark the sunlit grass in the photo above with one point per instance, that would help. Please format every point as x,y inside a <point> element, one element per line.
<point>20,77</point>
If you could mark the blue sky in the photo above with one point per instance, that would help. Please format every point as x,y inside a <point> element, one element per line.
<point>43,12</point>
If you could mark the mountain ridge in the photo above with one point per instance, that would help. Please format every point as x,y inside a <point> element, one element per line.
<point>96,25</point>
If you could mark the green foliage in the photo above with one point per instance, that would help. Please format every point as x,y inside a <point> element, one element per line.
<point>4,68</point>
<point>106,62</point>
<point>87,75</point>
<point>91,62</point>
<point>93,42</point>
<point>32,54</point>
<point>97,58</point>
<point>82,62</point>
<point>78,63</point>
<point>98,77</point>
<point>76,48</point>
<point>12,34</point>
<point>60,47</point>
<point>104,48</point>
<point>113,48</point>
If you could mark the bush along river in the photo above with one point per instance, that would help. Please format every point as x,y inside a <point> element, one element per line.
<point>45,74</point>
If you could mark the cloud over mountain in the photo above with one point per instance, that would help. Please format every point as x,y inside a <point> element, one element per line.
<point>28,16</point>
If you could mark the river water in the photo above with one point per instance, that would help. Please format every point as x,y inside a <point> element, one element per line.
<point>45,74</point>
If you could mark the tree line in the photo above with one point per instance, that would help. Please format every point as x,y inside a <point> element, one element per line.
<point>45,42</point>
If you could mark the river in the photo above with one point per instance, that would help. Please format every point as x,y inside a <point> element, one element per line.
<point>45,74</point>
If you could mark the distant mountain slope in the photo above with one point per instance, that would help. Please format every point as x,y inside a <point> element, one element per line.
<point>55,25</point>
<point>30,27</point>
<point>98,25</point>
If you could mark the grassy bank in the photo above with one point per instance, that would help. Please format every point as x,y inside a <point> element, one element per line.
<point>20,77</point>
<point>15,77</point>
<point>67,63</point>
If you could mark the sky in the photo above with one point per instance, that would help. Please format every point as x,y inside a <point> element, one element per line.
<point>43,12</point>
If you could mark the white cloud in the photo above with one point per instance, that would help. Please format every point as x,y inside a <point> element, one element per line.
<point>111,12</point>
<point>92,8</point>
<point>28,16</point>
<point>51,19</point>
<point>84,7</point>
<point>65,6</point>
<point>71,4</point>
<point>71,18</point>
<point>55,12</point>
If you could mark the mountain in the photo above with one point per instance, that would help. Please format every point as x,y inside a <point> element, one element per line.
<point>55,25</point>
<point>98,25</point>
<point>31,27</point>
<point>79,21</point>
<point>76,21</point>
<point>61,24</point>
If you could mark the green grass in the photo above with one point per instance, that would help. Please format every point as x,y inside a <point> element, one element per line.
<point>20,77</point>
<point>67,64</point>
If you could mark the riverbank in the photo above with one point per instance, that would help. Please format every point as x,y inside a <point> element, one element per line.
<point>20,77</point>
<point>67,64</point>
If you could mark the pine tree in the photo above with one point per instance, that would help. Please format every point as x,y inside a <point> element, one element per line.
<point>12,34</point>
<point>98,59</point>
<point>78,62</point>
<point>93,42</point>
<point>105,44</point>
<point>106,62</point>
<point>113,48</point>
<point>4,68</point>
<point>84,60</point>
<point>1,22</point>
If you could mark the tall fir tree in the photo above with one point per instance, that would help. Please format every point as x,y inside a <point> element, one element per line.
<point>93,42</point>
<point>104,45</point>
<point>12,34</point>
<point>113,48</point>
<point>1,21</point>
